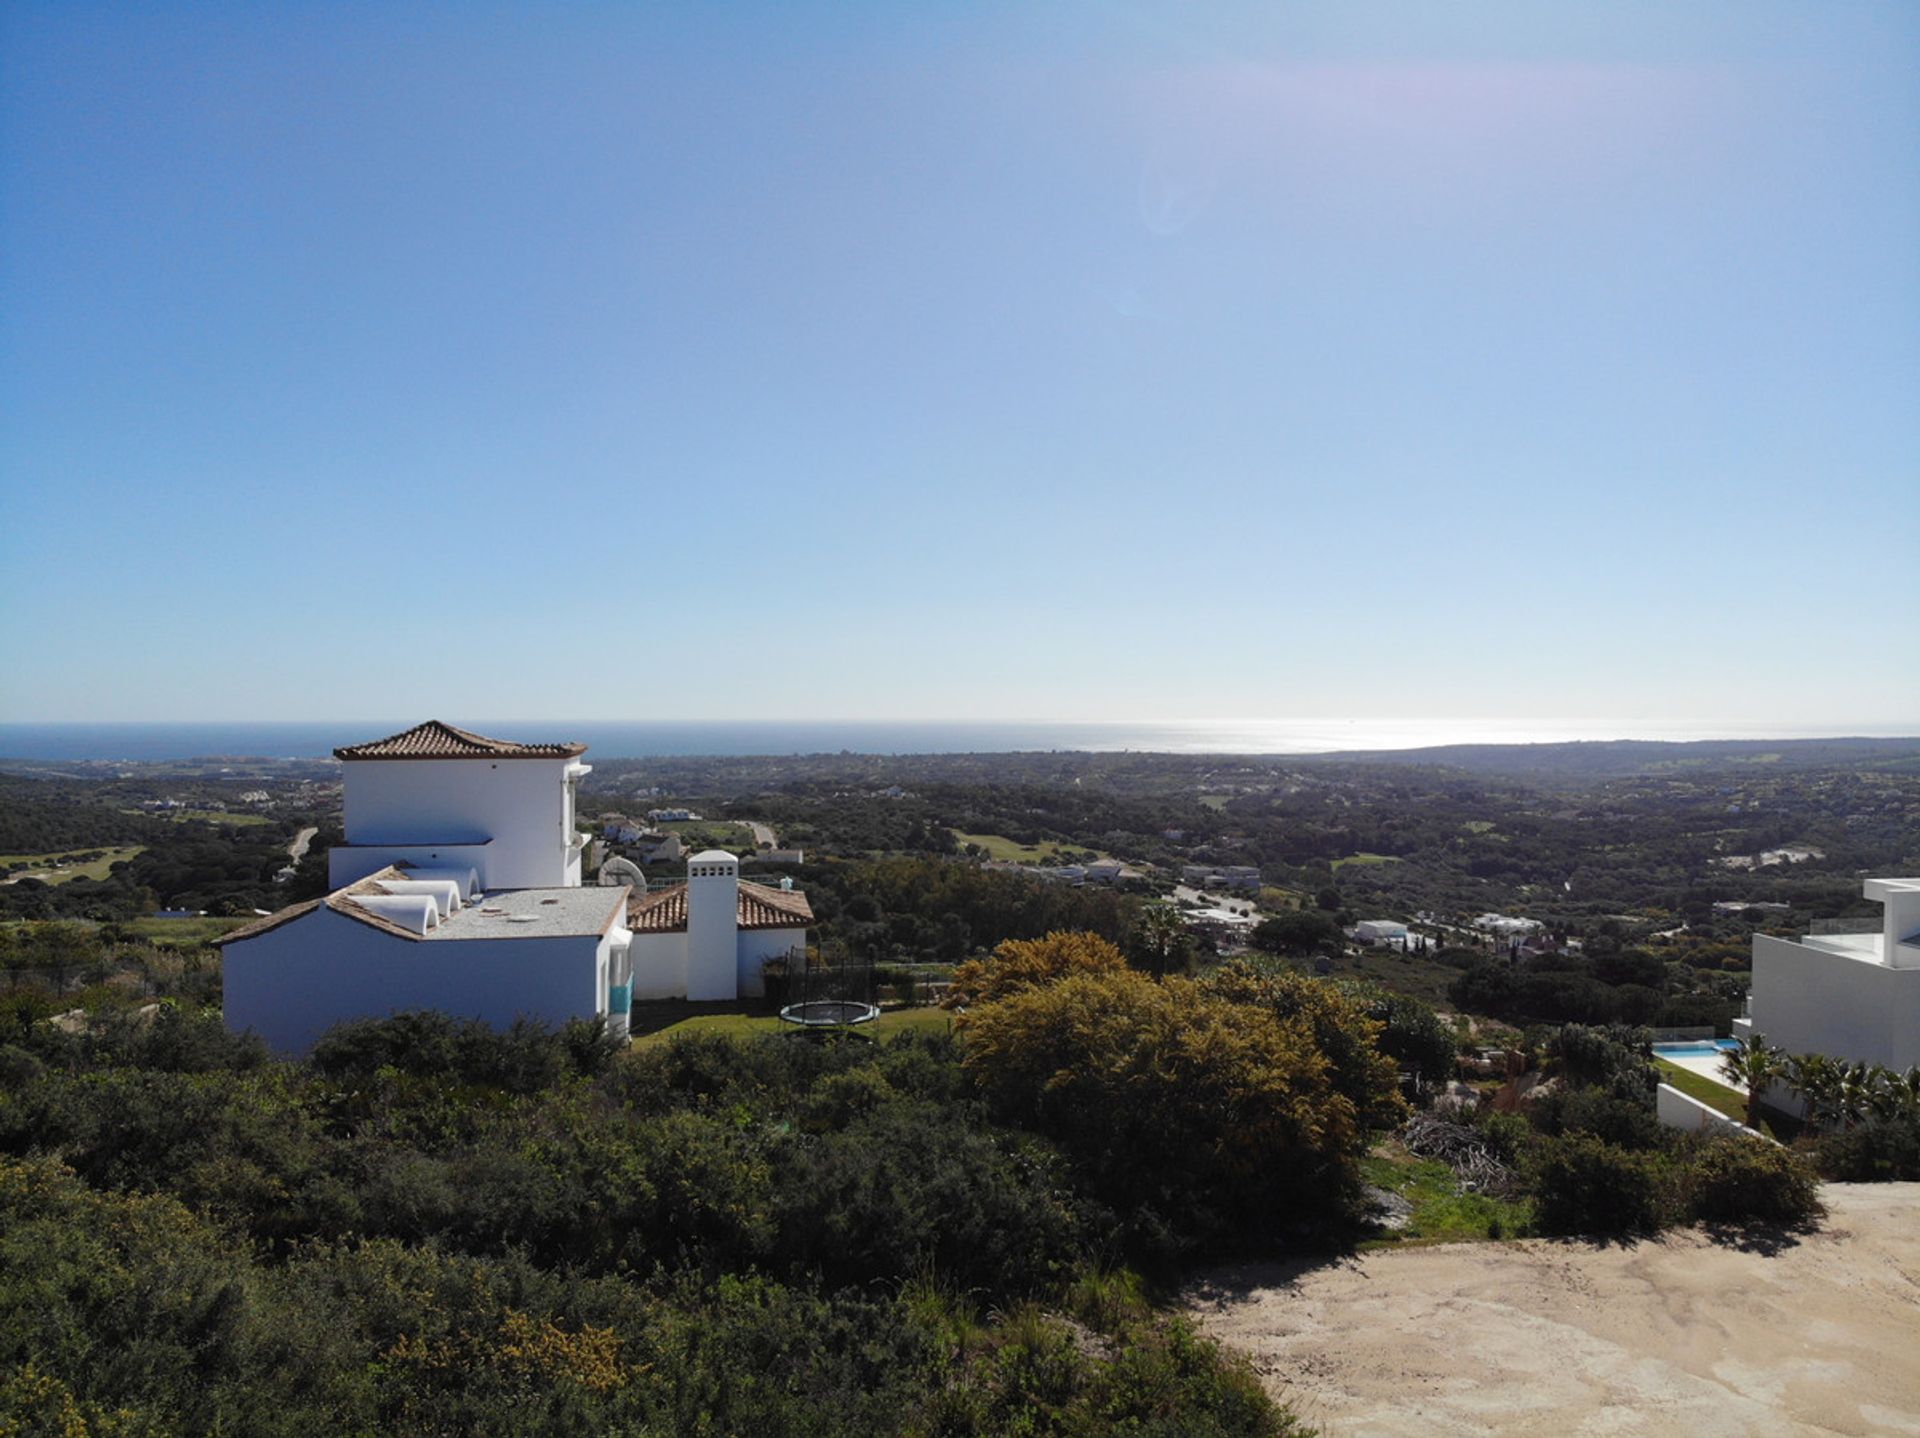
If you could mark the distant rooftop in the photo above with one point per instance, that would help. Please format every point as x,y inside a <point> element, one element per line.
<point>438,740</point>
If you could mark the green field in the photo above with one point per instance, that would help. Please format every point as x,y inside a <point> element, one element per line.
<point>714,834</point>
<point>653,1024</point>
<point>211,816</point>
<point>1215,802</point>
<point>1366,859</point>
<point>95,869</point>
<point>999,846</point>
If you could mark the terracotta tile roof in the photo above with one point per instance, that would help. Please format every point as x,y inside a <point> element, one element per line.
<point>437,740</point>
<point>664,911</point>
<point>766,908</point>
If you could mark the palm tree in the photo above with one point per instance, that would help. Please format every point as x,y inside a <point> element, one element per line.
<point>1906,1091</point>
<point>1815,1079</point>
<point>1162,939</point>
<point>1884,1098</point>
<point>1754,1066</point>
<point>1856,1092</point>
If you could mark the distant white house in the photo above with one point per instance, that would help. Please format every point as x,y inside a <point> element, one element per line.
<point>1505,926</point>
<point>1851,996</point>
<point>458,889</point>
<point>1380,931</point>
<point>672,816</point>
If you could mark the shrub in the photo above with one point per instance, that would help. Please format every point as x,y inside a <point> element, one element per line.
<point>1627,1121</point>
<point>1584,1185</point>
<point>1023,963</point>
<point>1739,1179</point>
<point>1345,1030</point>
<point>1878,1151</point>
<point>1180,1107</point>
<point>896,1192</point>
<point>525,1059</point>
<point>1590,1055</point>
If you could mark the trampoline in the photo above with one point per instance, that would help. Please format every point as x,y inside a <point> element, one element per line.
<point>829,1013</point>
<point>828,997</point>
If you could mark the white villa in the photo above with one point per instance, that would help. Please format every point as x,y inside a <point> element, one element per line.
<point>458,889</point>
<point>1853,997</point>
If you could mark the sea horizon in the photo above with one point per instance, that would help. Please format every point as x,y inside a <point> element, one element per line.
<point>149,742</point>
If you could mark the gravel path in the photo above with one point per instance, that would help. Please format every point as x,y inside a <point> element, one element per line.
<point>1679,1335</point>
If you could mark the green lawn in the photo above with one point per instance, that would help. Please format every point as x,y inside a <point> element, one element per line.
<point>96,869</point>
<point>1442,1212</point>
<point>1716,1096</point>
<point>999,846</point>
<point>1215,802</point>
<point>656,1023</point>
<point>1366,859</point>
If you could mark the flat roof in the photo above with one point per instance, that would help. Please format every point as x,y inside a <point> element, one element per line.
<point>534,914</point>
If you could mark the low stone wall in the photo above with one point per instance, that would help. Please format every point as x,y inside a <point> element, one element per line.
<point>1678,1110</point>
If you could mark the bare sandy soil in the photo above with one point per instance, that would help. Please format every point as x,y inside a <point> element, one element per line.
<point>1809,1334</point>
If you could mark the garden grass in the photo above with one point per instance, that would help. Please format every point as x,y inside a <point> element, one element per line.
<point>653,1024</point>
<point>1716,1096</point>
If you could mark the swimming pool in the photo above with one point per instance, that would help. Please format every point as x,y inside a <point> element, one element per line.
<point>1696,1049</point>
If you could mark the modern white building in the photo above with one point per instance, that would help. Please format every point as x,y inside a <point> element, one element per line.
<point>458,889</point>
<point>1853,997</point>
<point>440,797</point>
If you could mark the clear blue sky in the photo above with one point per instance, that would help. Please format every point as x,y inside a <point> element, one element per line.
<point>963,360</point>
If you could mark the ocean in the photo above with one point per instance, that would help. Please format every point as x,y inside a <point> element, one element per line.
<point>614,739</point>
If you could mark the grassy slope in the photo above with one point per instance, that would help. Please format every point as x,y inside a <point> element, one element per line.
<point>1716,1096</point>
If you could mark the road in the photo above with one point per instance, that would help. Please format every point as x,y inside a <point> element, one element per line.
<point>762,834</point>
<point>297,850</point>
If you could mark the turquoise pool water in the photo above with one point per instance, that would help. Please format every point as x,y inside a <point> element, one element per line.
<point>1698,1049</point>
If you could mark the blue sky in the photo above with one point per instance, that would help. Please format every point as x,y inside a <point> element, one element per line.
<point>962,361</point>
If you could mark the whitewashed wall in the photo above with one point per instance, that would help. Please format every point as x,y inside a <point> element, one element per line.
<point>757,946</point>
<point>520,804</point>
<point>659,966</point>
<point>293,983</point>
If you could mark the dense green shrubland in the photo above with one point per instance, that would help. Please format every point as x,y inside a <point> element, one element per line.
<point>430,1227</point>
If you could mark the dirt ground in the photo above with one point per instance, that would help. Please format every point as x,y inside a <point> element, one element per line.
<point>1807,1334</point>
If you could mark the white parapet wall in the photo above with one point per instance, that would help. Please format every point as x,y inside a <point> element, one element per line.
<point>1678,1110</point>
